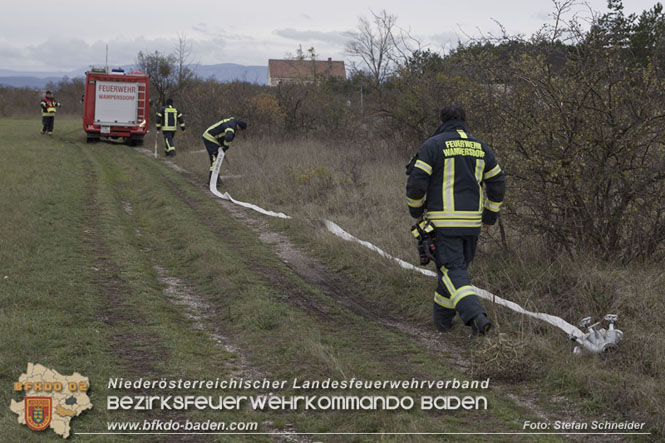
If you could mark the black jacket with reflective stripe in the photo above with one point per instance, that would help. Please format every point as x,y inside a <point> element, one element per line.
<point>168,117</point>
<point>449,171</point>
<point>222,132</point>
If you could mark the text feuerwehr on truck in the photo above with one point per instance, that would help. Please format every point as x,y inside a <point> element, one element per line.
<point>115,105</point>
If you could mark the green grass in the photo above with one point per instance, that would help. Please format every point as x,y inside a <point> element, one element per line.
<point>362,189</point>
<point>85,225</point>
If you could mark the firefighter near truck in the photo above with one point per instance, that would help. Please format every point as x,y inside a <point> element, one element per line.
<point>116,105</point>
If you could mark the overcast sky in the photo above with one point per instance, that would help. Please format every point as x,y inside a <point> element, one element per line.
<point>48,35</point>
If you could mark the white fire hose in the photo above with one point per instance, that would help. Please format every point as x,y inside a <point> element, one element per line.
<point>594,341</point>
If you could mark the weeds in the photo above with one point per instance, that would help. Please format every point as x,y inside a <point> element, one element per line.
<point>363,191</point>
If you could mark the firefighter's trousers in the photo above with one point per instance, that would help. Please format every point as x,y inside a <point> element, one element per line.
<point>47,124</point>
<point>454,292</point>
<point>169,146</point>
<point>212,149</point>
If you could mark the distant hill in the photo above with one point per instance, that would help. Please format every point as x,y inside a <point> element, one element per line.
<point>28,82</point>
<point>223,72</point>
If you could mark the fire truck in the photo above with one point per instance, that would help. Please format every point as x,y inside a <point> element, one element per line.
<point>116,105</point>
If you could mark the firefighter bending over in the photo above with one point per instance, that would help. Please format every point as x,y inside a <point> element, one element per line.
<point>167,119</point>
<point>48,105</point>
<point>445,186</point>
<point>220,135</point>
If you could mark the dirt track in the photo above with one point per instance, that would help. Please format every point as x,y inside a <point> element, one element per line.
<point>340,291</point>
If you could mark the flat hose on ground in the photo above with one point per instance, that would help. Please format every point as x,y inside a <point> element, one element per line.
<point>335,229</point>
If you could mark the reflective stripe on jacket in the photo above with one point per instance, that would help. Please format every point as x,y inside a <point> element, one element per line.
<point>48,106</point>
<point>168,117</point>
<point>222,132</point>
<point>447,180</point>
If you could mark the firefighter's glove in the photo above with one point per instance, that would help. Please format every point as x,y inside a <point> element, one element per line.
<point>225,148</point>
<point>424,232</point>
<point>489,217</point>
<point>183,128</point>
<point>158,129</point>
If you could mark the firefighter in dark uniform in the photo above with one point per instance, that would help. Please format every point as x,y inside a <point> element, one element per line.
<point>445,186</point>
<point>48,105</point>
<point>168,118</point>
<point>220,135</point>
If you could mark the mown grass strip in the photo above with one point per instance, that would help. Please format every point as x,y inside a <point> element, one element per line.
<point>147,214</point>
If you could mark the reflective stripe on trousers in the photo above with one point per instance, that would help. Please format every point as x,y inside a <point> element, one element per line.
<point>454,290</point>
<point>168,141</point>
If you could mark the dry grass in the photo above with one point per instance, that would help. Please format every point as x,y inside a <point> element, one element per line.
<point>361,188</point>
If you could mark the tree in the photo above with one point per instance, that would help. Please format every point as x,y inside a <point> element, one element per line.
<point>268,111</point>
<point>640,36</point>
<point>183,52</point>
<point>423,62</point>
<point>580,136</point>
<point>579,127</point>
<point>162,71</point>
<point>301,57</point>
<point>380,45</point>
<point>300,54</point>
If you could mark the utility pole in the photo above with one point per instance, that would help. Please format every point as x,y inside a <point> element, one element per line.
<point>362,107</point>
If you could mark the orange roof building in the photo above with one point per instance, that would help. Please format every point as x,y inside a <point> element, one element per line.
<point>303,71</point>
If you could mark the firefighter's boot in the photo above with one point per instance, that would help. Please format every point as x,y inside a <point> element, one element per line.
<point>219,180</point>
<point>443,317</point>
<point>480,325</point>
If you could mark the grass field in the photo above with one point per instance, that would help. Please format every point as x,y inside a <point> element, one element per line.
<point>113,264</point>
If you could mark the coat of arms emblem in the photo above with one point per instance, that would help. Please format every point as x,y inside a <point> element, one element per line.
<point>38,412</point>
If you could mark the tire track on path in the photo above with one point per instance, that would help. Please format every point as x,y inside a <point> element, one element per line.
<point>335,287</point>
<point>136,350</point>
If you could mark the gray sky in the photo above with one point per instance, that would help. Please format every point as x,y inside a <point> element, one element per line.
<point>48,35</point>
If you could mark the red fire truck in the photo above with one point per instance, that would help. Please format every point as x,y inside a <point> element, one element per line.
<point>115,105</point>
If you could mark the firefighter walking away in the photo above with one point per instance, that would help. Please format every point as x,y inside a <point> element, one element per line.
<point>168,117</point>
<point>445,191</point>
<point>48,105</point>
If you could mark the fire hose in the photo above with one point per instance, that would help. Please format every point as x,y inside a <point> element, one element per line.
<point>594,341</point>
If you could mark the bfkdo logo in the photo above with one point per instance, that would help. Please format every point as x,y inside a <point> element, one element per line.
<point>38,412</point>
<point>50,399</point>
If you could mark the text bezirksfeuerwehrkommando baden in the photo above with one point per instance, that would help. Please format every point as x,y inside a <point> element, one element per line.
<point>294,402</point>
<point>272,401</point>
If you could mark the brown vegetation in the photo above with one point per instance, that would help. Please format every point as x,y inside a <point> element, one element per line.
<point>577,120</point>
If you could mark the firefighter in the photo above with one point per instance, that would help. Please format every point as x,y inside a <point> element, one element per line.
<point>48,105</point>
<point>445,186</point>
<point>167,119</point>
<point>220,135</point>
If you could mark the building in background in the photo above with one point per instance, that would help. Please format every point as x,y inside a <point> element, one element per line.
<point>304,71</point>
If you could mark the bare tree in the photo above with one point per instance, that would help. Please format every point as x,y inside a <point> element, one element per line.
<point>161,70</point>
<point>380,44</point>
<point>170,74</point>
<point>183,53</point>
<point>372,43</point>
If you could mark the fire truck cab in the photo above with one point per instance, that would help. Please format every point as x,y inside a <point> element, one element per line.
<point>116,105</point>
